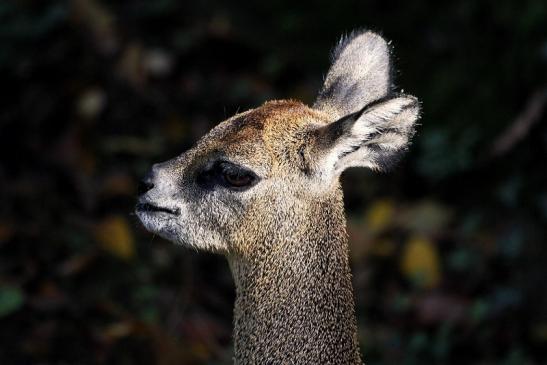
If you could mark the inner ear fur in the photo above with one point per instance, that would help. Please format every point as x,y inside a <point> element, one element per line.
<point>373,137</point>
<point>360,73</point>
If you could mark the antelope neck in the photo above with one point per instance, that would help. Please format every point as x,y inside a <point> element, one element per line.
<point>294,298</point>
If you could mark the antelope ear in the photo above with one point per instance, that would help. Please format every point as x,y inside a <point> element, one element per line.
<point>373,137</point>
<point>360,74</point>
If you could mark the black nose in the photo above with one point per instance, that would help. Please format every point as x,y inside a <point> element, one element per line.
<point>146,184</point>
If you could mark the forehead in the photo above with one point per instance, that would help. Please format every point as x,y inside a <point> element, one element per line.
<point>261,136</point>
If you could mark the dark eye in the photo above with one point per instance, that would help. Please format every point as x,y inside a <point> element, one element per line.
<point>227,174</point>
<point>236,177</point>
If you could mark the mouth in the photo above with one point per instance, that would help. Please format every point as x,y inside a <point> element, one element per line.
<point>150,208</point>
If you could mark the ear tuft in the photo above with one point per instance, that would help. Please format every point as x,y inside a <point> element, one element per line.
<point>360,73</point>
<point>373,137</point>
<point>372,126</point>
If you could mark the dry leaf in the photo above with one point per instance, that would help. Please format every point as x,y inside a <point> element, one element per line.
<point>420,262</point>
<point>427,217</point>
<point>117,330</point>
<point>114,236</point>
<point>380,215</point>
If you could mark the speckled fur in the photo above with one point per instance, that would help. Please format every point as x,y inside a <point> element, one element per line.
<point>285,237</point>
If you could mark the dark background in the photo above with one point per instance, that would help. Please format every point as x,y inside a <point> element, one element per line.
<point>448,251</point>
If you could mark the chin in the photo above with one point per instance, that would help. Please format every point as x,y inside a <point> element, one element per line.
<point>169,226</point>
<point>158,223</point>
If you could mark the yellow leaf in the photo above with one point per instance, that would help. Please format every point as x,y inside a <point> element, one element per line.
<point>420,262</point>
<point>426,217</point>
<point>114,236</point>
<point>380,215</point>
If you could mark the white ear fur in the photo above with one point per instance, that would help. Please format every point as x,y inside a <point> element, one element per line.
<point>360,73</point>
<point>373,125</point>
<point>373,137</point>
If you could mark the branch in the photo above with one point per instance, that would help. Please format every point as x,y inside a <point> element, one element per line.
<point>521,125</point>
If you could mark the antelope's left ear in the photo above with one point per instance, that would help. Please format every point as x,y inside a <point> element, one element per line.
<point>373,137</point>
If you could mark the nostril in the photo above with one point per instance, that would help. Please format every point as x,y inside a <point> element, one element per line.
<point>147,182</point>
<point>144,186</point>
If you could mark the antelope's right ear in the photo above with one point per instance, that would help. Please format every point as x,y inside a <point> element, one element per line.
<point>360,74</point>
<point>370,125</point>
<point>373,137</point>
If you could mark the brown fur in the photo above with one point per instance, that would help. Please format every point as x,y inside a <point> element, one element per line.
<point>284,237</point>
<point>294,296</point>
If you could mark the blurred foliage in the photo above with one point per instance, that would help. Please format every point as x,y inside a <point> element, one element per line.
<point>448,250</point>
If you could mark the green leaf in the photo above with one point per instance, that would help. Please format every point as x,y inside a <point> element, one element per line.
<point>11,300</point>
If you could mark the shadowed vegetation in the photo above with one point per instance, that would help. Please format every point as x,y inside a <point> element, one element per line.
<point>448,250</point>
